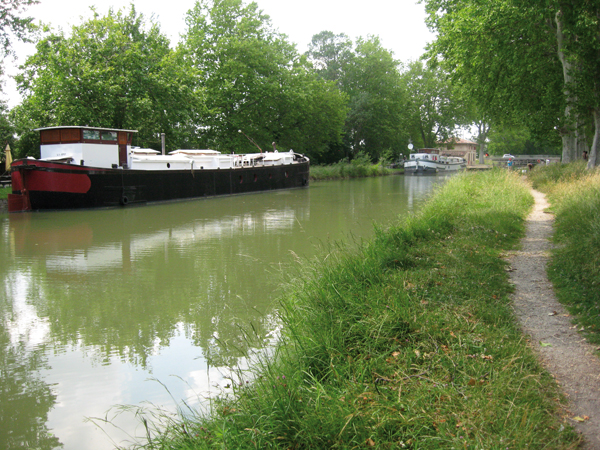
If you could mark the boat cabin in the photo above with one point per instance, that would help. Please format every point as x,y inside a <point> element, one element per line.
<point>89,146</point>
<point>424,156</point>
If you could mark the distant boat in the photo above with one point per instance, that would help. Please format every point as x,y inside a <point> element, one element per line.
<point>91,167</point>
<point>429,161</point>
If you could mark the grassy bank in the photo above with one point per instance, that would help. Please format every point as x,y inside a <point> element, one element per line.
<point>4,193</point>
<point>407,342</point>
<point>574,193</point>
<point>359,167</point>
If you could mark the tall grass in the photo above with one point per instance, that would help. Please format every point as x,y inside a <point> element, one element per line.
<point>407,342</point>
<point>574,193</point>
<point>359,167</point>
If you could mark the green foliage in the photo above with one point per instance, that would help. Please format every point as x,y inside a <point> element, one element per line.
<point>113,72</point>
<point>574,193</point>
<point>359,167</point>
<point>255,82</point>
<point>329,54</point>
<point>517,140</point>
<point>12,25</point>
<point>407,342</point>
<point>503,56</point>
<point>368,74</point>
<point>377,100</point>
<point>434,109</point>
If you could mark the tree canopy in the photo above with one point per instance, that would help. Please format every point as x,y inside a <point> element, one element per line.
<point>532,63</point>
<point>256,82</point>
<point>112,71</point>
<point>234,83</point>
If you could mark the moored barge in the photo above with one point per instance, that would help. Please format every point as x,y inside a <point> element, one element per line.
<point>92,167</point>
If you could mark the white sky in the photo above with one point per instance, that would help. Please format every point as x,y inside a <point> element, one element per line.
<point>398,23</point>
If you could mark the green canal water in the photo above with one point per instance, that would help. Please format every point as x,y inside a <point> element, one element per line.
<point>151,305</point>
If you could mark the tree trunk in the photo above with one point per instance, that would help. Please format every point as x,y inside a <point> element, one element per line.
<point>593,157</point>
<point>482,131</point>
<point>568,135</point>
<point>582,142</point>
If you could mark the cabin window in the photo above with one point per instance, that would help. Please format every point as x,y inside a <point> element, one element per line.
<point>109,135</point>
<point>93,135</point>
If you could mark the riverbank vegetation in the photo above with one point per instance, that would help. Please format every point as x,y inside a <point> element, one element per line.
<point>574,194</point>
<point>408,341</point>
<point>359,167</point>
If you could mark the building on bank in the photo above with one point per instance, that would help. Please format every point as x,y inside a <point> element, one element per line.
<point>459,147</point>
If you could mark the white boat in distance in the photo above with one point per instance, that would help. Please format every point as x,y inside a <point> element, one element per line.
<point>429,161</point>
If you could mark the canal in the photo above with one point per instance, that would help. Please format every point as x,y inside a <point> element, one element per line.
<point>149,306</point>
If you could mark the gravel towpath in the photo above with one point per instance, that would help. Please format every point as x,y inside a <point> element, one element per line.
<point>562,350</point>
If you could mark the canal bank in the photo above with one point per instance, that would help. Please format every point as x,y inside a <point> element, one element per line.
<point>410,341</point>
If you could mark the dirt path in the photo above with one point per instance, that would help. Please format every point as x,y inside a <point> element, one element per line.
<point>563,351</point>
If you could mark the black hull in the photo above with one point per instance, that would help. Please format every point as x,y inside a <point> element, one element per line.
<point>114,187</point>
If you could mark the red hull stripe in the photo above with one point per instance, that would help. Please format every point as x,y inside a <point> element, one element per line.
<point>57,182</point>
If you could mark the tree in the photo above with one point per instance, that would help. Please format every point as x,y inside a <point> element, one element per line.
<point>434,108</point>
<point>578,38</point>
<point>502,55</point>
<point>330,54</point>
<point>518,140</point>
<point>12,25</point>
<point>113,72</point>
<point>256,82</point>
<point>369,76</point>
<point>377,101</point>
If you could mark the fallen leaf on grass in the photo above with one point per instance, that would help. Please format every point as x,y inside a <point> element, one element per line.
<point>370,442</point>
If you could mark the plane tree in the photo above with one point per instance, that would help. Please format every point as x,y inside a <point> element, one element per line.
<point>13,26</point>
<point>256,82</point>
<point>502,56</point>
<point>369,75</point>
<point>113,71</point>
<point>435,109</point>
<point>535,63</point>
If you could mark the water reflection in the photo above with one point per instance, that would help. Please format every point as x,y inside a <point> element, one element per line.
<point>95,302</point>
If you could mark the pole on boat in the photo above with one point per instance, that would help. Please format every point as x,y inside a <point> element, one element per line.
<point>162,142</point>
<point>248,137</point>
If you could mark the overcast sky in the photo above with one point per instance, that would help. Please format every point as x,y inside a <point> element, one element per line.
<point>398,23</point>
